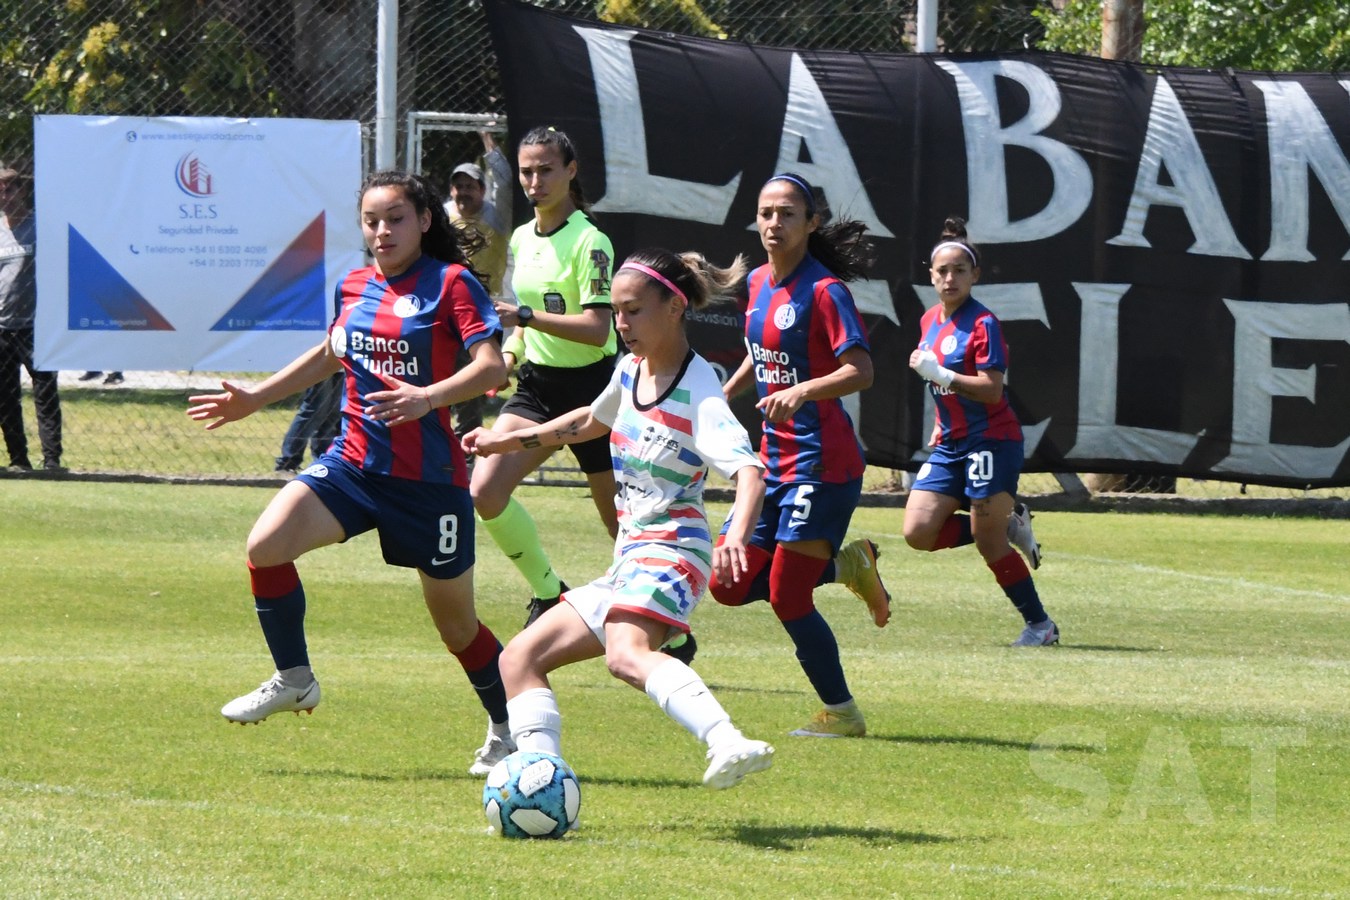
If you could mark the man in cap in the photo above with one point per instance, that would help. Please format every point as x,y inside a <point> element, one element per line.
<point>483,205</point>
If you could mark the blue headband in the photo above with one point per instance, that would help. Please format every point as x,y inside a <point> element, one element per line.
<point>801,183</point>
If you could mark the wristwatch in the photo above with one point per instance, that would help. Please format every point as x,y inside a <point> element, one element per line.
<point>524,315</point>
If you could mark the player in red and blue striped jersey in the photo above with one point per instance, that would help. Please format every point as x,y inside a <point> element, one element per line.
<point>807,350</point>
<point>405,328</point>
<point>396,468</point>
<point>977,454</point>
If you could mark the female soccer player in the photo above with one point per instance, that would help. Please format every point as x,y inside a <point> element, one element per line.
<point>807,350</point>
<point>977,454</point>
<point>566,346</point>
<point>395,467</point>
<point>667,422</point>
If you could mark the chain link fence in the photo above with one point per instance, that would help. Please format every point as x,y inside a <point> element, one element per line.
<point>317,59</point>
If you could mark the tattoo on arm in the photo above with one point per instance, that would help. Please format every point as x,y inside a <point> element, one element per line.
<point>529,443</point>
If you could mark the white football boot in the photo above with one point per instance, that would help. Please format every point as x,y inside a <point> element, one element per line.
<point>272,696</point>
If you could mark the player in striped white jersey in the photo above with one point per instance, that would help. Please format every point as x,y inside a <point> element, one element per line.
<point>668,423</point>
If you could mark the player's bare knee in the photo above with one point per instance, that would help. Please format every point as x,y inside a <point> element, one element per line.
<point>920,539</point>
<point>623,665</point>
<point>514,663</point>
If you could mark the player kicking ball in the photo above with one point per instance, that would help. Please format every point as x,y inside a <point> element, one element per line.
<point>668,423</point>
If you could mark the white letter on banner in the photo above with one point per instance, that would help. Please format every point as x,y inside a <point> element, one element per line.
<point>1171,141</point>
<point>1013,302</point>
<point>1098,435</point>
<point>985,162</point>
<point>1256,380</point>
<point>629,184</point>
<point>809,121</point>
<point>1300,139</point>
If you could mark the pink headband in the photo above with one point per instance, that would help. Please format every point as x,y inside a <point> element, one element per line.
<point>648,270</point>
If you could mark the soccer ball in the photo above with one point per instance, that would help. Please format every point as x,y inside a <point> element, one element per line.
<point>531,795</point>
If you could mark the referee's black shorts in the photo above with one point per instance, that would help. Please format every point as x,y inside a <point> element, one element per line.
<point>546,392</point>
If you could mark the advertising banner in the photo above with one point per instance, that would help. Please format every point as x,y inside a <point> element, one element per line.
<point>190,243</point>
<point>1168,249</point>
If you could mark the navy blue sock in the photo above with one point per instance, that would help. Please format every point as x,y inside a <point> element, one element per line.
<point>283,626</point>
<point>818,653</point>
<point>1015,579</point>
<point>480,662</point>
<point>1028,602</point>
<point>487,682</point>
<point>279,598</point>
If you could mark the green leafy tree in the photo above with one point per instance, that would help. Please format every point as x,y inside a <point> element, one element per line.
<point>1263,35</point>
<point>137,57</point>
<point>683,16</point>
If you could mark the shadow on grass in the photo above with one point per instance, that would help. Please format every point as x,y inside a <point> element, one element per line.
<point>969,741</point>
<point>630,782</point>
<point>742,689</point>
<point>377,777</point>
<point>435,775</point>
<point>799,837</point>
<point>1111,648</point>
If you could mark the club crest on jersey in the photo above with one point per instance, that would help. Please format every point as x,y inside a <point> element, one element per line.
<point>555,303</point>
<point>337,340</point>
<point>948,345</point>
<point>407,305</point>
<point>785,317</point>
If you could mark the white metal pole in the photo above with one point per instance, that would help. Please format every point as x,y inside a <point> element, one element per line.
<point>386,84</point>
<point>925,26</point>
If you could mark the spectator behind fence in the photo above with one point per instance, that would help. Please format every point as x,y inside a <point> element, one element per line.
<point>111,378</point>
<point>18,305</point>
<point>483,206</point>
<point>316,423</point>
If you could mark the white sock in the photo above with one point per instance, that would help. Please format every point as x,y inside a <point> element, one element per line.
<point>683,696</point>
<point>296,676</point>
<point>500,729</point>
<point>535,721</point>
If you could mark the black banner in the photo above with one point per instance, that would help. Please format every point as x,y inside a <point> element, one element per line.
<point>1168,249</point>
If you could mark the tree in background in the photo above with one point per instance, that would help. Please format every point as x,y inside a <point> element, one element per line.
<point>1263,35</point>
<point>245,58</point>
<point>682,16</point>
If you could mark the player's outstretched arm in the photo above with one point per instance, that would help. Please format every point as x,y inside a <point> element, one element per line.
<point>569,428</point>
<point>236,402</point>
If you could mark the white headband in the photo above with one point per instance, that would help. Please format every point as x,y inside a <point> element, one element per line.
<point>974,258</point>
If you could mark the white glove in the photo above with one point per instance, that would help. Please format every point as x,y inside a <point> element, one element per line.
<point>930,369</point>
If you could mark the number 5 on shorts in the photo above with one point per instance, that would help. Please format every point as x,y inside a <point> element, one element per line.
<point>802,503</point>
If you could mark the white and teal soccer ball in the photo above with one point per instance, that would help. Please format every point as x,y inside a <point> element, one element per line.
<point>531,795</point>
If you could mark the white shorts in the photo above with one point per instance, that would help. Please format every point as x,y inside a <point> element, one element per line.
<point>652,580</point>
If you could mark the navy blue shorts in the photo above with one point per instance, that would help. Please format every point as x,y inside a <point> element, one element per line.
<point>805,511</point>
<point>546,392</point>
<point>977,470</point>
<point>422,525</point>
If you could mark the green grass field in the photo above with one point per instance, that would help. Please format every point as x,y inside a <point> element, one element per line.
<point>1189,738</point>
